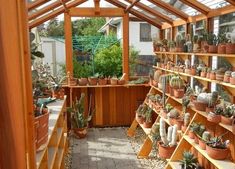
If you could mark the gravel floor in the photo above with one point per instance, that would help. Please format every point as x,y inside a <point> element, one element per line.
<point>94,149</point>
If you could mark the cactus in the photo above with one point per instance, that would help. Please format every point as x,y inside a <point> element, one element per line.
<point>186,119</point>
<point>213,99</point>
<point>173,114</point>
<point>185,102</point>
<point>170,138</point>
<point>148,115</point>
<point>229,111</point>
<point>176,82</point>
<point>203,97</point>
<point>218,110</point>
<point>206,136</point>
<point>157,75</point>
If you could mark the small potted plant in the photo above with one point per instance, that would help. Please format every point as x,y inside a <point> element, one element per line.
<point>212,75</point>
<point>171,45</point>
<point>208,73</point>
<point>178,85</point>
<point>157,44</point>
<point>230,46</point>
<point>198,132</point>
<point>232,78</point>
<point>188,43</point>
<point>189,161</point>
<point>78,119</point>
<point>186,118</point>
<point>203,72</point>
<point>174,118</point>
<point>156,76</point>
<point>212,42</point>
<point>140,113</point>
<point>168,142</point>
<point>227,76</point>
<point>215,116</point>
<point>222,40</point>
<point>180,41</point>
<point>213,100</point>
<point>114,80</point>
<point>228,114</point>
<point>102,80</point>
<point>206,136</point>
<point>167,109</point>
<point>193,70</point>
<point>57,90</point>
<point>93,80</point>
<point>201,102</point>
<point>220,74</point>
<point>192,128</point>
<point>148,118</point>
<point>217,149</point>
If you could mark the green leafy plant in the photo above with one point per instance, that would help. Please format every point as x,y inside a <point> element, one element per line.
<point>34,48</point>
<point>81,69</point>
<point>212,39</point>
<point>189,161</point>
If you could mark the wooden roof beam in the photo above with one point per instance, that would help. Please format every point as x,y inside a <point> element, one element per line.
<point>153,12</point>
<point>64,4</point>
<point>133,2</point>
<point>46,9</point>
<point>36,4</point>
<point>138,14</point>
<point>197,5</point>
<point>170,9</point>
<point>54,13</point>
<point>232,2</point>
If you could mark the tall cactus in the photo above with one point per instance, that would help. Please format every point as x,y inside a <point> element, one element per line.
<point>163,132</point>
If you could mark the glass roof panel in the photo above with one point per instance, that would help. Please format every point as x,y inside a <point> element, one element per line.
<point>214,4</point>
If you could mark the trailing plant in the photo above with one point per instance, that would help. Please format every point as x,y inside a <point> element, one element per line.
<point>189,161</point>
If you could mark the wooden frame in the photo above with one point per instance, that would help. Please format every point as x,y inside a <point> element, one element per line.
<point>197,5</point>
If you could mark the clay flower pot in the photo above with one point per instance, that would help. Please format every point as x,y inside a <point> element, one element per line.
<point>196,139</point>
<point>203,74</point>
<point>208,75</point>
<point>102,81</point>
<point>230,48</point>
<point>113,81</point>
<point>216,153</point>
<point>121,82</point>
<point>226,120</point>
<point>202,144</point>
<point>200,105</point>
<point>221,48</point>
<point>147,124</point>
<point>193,71</point>
<point>92,81</point>
<point>191,134</point>
<point>179,93</point>
<point>165,152</point>
<point>187,71</point>
<point>213,118</point>
<point>232,80</point>
<point>212,49</point>
<point>80,132</point>
<point>212,76</point>
<point>171,91</point>
<point>219,77</point>
<point>226,79</point>
<point>82,81</point>
<point>139,119</point>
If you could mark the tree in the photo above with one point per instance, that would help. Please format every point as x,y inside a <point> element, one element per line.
<point>55,28</point>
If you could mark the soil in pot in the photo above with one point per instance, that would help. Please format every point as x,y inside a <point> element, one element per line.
<point>80,132</point>
<point>213,118</point>
<point>217,154</point>
<point>165,152</point>
<point>226,120</point>
<point>202,144</point>
<point>82,81</point>
<point>232,80</point>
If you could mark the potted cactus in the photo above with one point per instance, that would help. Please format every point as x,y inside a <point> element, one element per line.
<point>222,40</point>
<point>148,118</point>
<point>220,74</point>
<point>168,142</point>
<point>217,149</point>
<point>178,85</point>
<point>204,139</point>
<point>186,118</point>
<point>195,43</point>
<point>180,41</point>
<point>228,115</point>
<point>232,78</point>
<point>212,75</point>
<point>215,116</point>
<point>189,161</point>
<point>198,132</point>
<point>172,115</point>
<point>202,101</point>
<point>213,100</point>
<point>230,46</point>
<point>208,73</point>
<point>166,110</point>
<point>192,128</point>
<point>156,76</point>
<point>212,43</point>
<point>203,72</point>
<point>139,116</point>
<point>227,76</point>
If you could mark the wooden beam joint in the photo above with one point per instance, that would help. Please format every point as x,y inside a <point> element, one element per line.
<point>131,5</point>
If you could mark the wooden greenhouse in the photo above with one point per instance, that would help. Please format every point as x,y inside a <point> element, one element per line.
<point>195,63</point>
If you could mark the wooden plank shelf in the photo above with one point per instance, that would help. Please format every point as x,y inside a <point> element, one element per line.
<point>175,165</point>
<point>196,54</point>
<point>51,156</point>
<point>100,86</point>
<point>146,130</point>
<point>197,77</point>
<point>220,164</point>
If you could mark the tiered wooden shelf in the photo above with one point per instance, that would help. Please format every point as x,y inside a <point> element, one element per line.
<point>52,157</point>
<point>95,86</point>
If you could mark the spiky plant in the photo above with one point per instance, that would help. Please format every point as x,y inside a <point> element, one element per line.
<point>189,160</point>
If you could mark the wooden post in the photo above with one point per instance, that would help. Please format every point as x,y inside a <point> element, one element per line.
<point>125,55</point>
<point>68,43</point>
<point>16,105</point>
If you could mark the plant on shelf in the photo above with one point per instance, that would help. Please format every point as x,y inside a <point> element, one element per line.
<point>232,78</point>
<point>189,161</point>
<point>175,118</point>
<point>215,116</point>
<point>56,86</point>
<point>204,139</point>
<point>186,118</point>
<point>168,141</point>
<point>157,44</point>
<point>148,118</point>
<point>180,41</point>
<point>203,72</point>
<point>140,113</point>
<point>78,119</point>
<point>155,133</point>
<point>213,101</point>
<point>171,45</point>
<point>198,131</point>
<point>93,80</point>
<point>177,83</point>
<point>185,103</point>
<point>218,149</point>
<point>230,46</point>
<point>164,81</point>
<point>164,111</point>
<point>220,74</point>
<point>156,77</point>
<point>222,40</point>
<point>227,76</point>
<point>212,42</point>
<point>192,129</point>
<point>202,101</point>
<point>164,45</point>
<point>203,41</point>
<point>228,115</point>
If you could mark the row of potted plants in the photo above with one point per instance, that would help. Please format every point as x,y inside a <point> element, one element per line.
<point>224,43</point>
<point>215,147</point>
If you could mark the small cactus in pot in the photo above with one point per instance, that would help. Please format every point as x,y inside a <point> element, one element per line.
<point>232,78</point>
<point>213,100</point>
<point>204,139</point>
<point>215,116</point>
<point>227,76</point>
<point>220,74</point>
<point>186,118</point>
<point>228,115</point>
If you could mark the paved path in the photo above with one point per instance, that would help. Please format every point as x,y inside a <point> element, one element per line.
<point>104,148</point>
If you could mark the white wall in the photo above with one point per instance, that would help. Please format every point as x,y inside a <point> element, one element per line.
<point>54,52</point>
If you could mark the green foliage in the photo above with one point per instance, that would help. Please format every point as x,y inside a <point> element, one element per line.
<point>189,160</point>
<point>81,69</point>
<point>55,28</point>
<point>133,55</point>
<point>108,61</point>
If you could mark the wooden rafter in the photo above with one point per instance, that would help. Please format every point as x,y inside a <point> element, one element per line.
<point>136,13</point>
<point>170,9</point>
<point>46,9</point>
<point>197,5</point>
<point>232,2</point>
<point>153,12</point>
<point>36,4</point>
<point>54,13</point>
<point>131,5</point>
<point>64,5</point>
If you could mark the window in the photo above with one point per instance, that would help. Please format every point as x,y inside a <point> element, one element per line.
<point>145,32</point>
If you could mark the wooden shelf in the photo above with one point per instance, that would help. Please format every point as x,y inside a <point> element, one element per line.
<point>146,130</point>
<point>175,165</point>
<point>51,156</point>
<point>220,164</point>
<point>197,54</point>
<point>97,86</point>
<point>197,77</point>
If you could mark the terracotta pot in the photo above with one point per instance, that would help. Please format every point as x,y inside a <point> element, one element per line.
<point>200,106</point>
<point>184,128</point>
<point>203,74</point>
<point>219,77</point>
<point>191,134</point>
<point>92,81</point>
<point>212,76</point>
<point>212,49</point>
<point>102,81</point>
<point>193,71</point>
<point>121,82</point>
<point>82,81</point>
<point>209,109</point>
<point>221,48</point>
<point>226,120</point>
<point>213,118</point>
<point>217,154</point>
<point>202,144</point>
<point>73,82</point>
<point>196,139</point>
<point>179,93</point>
<point>80,132</point>
<point>147,124</point>
<point>165,152</point>
<point>232,80</point>
<point>168,88</point>
<point>41,130</point>
<point>208,75</point>
<point>230,48</point>
<point>171,91</point>
<point>113,81</point>
<point>226,79</point>
<point>179,49</point>
<point>139,119</point>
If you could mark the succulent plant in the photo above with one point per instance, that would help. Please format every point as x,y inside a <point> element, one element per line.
<point>176,82</point>
<point>197,128</point>
<point>186,119</point>
<point>229,111</point>
<point>180,41</point>
<point>189,161</point>
<point>141,110</point>
<point>206,136</point>
<point>217,142</point>
<point>148,114</point>
<point>168,107</point>
<point>218,110</point>
<point>185,103</point>
<point>213,99</point>
<point>173,114</point>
